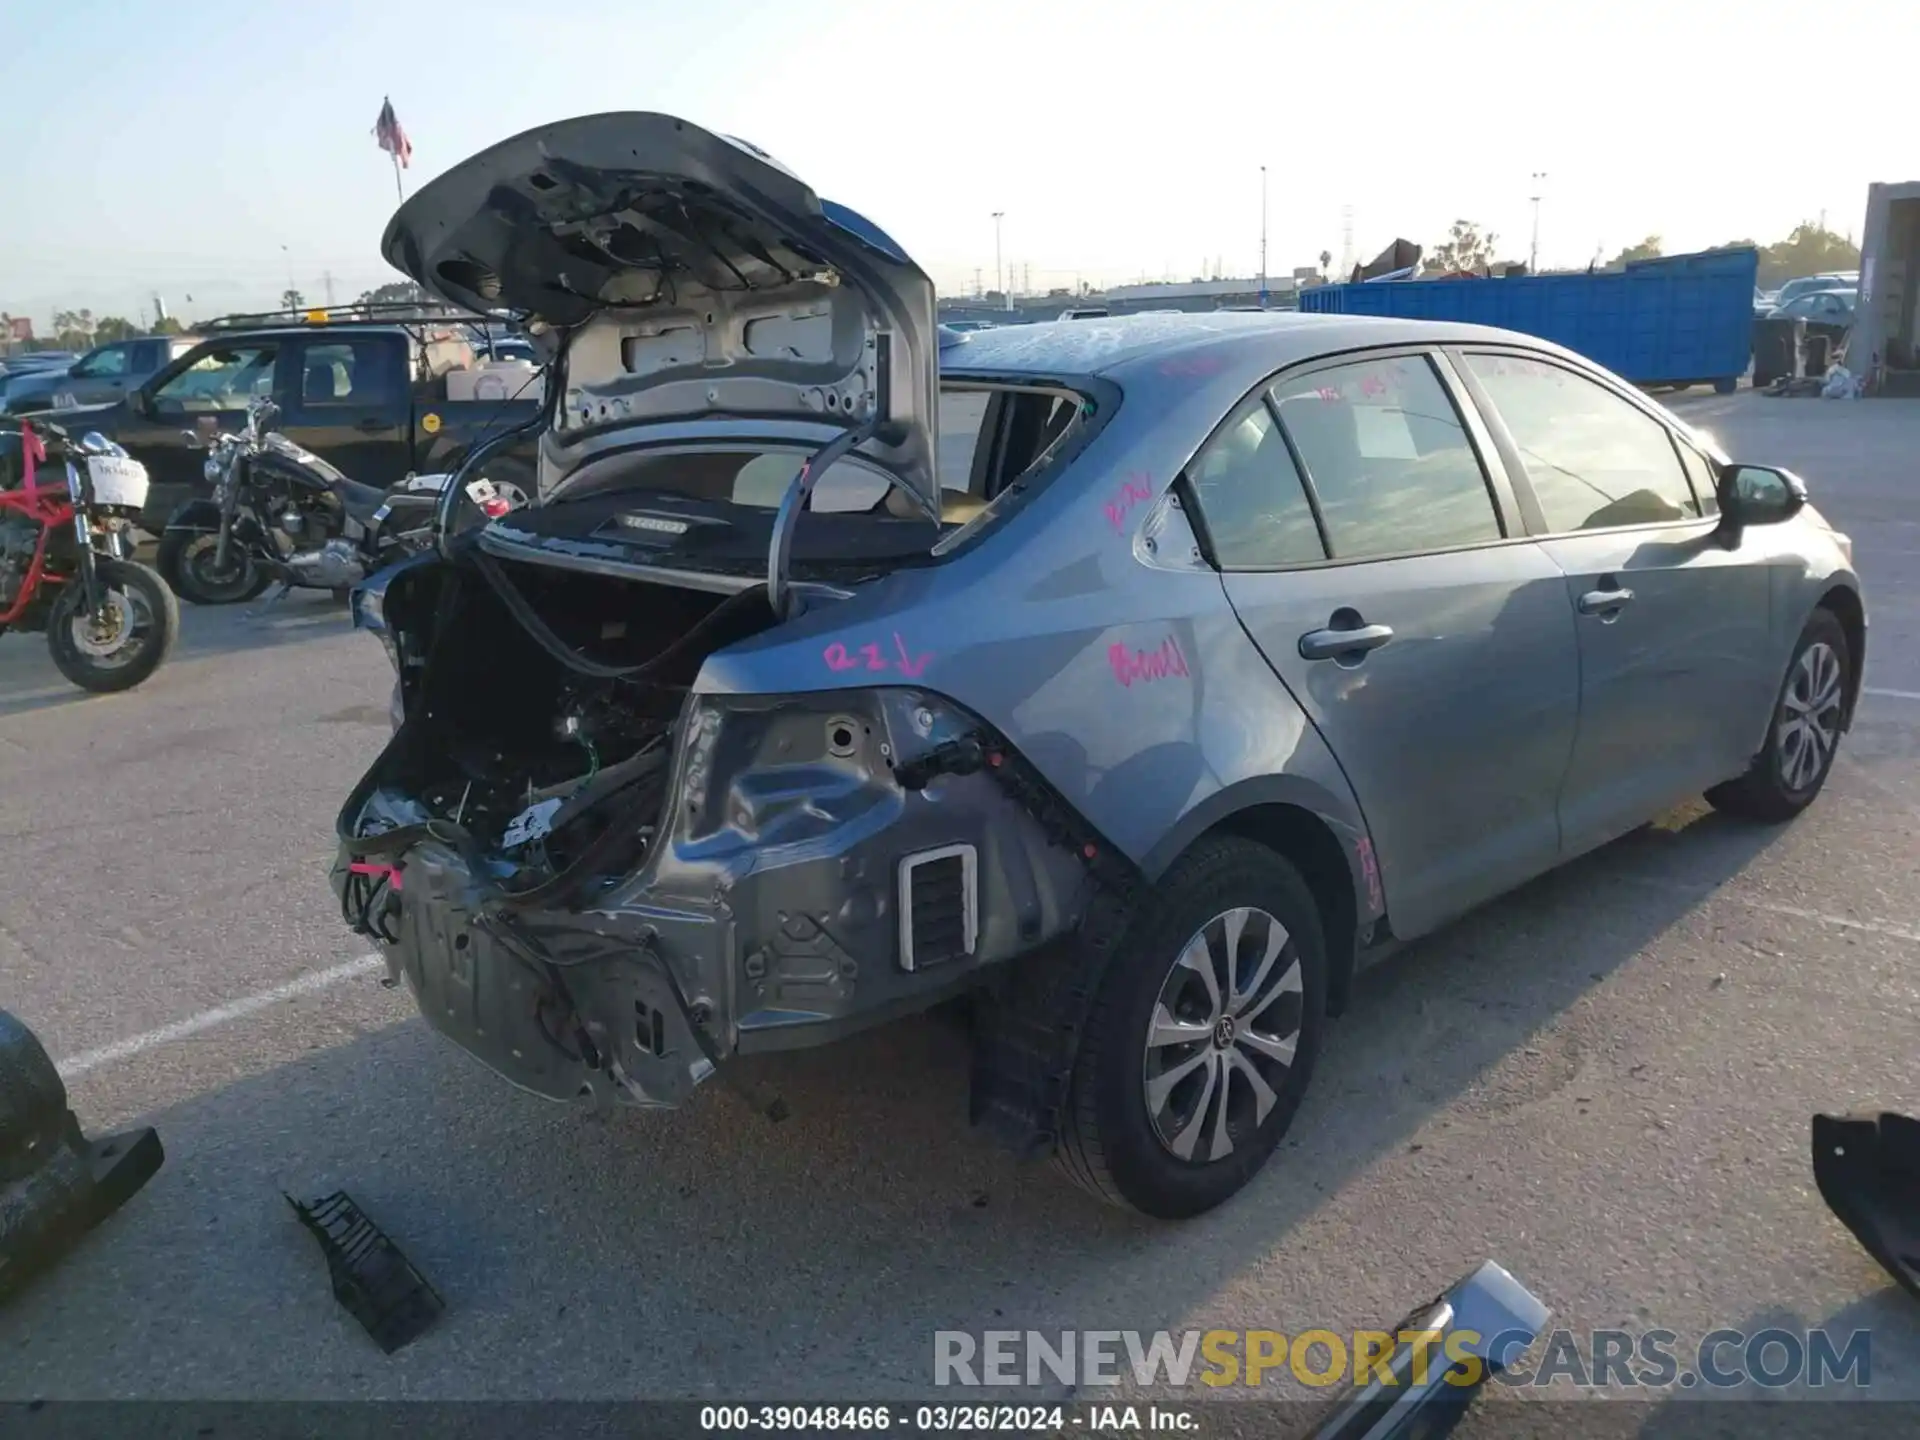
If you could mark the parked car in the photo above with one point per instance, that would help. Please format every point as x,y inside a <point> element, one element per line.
<point>31,365</point>
<point>22,362</point>
<point>963,326</point>
<point>1231,651</point>
<point>101,376</point>
<point>364,397</point>
<point>1804,284</point>
<point>1820,307</point>
<point>1084,312</point>
<point>510,348</point>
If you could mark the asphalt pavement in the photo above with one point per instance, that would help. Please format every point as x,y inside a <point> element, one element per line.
<point>1603,1081</point>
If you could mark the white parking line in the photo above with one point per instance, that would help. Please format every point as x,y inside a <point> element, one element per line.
<point>76,1065</point>
<point>1705,892</point>
<point>1891,694</point>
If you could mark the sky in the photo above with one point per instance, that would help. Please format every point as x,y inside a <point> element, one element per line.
<point>219,154</point>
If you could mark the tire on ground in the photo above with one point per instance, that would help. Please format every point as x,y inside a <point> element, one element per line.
<point>1108,1145</point>
<point>76,664</point>
<point>1762,793</point>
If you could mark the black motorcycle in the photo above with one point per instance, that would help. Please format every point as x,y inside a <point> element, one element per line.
<point>281,513</point>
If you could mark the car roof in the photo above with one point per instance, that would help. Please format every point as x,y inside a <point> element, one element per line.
<point>1252,344</point>
<point>283,332</point>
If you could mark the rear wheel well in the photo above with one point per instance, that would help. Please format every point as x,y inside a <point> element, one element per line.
<point>1845,607</point>
<point>1310,845</point>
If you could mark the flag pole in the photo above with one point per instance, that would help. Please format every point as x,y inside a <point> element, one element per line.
<point>398,194</point>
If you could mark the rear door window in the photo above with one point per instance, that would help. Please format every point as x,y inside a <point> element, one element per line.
<point>1251,500</point>
<point>1594,460</point>
<point>1387,458</point>
<point>360,373</point>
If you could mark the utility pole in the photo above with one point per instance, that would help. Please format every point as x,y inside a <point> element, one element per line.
<point>1533,256</point>
<point>327,279</point>
<point>999,270</point>
<point>1263,237</point>
<point>976,282</point>
<point>291,287</point>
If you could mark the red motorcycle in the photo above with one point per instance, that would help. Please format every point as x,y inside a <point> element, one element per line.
<point>66,560</point>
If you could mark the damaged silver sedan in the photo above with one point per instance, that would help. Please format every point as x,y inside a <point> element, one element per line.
<point>845,666</point>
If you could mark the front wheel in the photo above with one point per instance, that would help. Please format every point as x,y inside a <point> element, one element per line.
<point>187,560</point>
<point>1804,736</point>
<point>1203,1035</point>
<point>125,641</point>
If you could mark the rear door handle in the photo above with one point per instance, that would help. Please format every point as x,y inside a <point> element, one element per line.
<point>1601,602</point>
<point>1333,644</point>
<point>372,423</point>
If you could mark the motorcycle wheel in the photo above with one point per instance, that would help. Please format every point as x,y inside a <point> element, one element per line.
<point>127,642</point>
<point>185,560</point>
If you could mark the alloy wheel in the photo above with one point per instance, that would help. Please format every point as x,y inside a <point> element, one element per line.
<point>1223,1034</point>
<point>1809,722</point>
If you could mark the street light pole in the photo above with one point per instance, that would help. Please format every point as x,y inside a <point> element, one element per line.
<point>1533,258</point>
<point>1263,237</point>
<point>999,270</point>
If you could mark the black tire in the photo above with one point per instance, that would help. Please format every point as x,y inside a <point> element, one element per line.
<point>185,561</point>
<point>1109,1142</point>
<point>33,1102</point>
<point>1771,791</point>
<point>141,654</point>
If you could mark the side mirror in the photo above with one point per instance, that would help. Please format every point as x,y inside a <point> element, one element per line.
<point>137,402</point>
<point>1760,495</point>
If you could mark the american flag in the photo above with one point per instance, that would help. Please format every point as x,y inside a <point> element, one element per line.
<point>391,137</point>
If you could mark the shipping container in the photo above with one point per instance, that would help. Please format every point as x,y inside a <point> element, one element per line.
<point>1674,320</point>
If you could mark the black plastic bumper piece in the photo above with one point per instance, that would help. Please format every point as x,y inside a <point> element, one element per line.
<point>376,1283</point>
<point>1868,1171</point>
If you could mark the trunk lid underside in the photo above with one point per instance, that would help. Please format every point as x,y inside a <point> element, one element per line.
<point>687,277</point>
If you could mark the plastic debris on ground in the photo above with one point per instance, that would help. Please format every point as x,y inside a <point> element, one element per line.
<point>1842,384</point>
<point>1868,1170</point>
<point>375,1283</point>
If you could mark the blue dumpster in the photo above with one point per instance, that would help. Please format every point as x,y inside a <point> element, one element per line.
<point>1674,320</point>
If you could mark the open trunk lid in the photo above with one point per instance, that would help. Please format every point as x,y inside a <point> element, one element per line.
<point>690,278</point>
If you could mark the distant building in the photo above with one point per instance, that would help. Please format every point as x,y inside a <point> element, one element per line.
<point>1200,294</point>
<point>1190,296</point>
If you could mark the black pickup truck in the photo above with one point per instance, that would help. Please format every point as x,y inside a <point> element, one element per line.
<point>364,396</point>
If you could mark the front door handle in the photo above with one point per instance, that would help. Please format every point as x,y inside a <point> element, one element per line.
<point>1331,644</point>
<point>1603,602</point>
<point>371,423</point>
